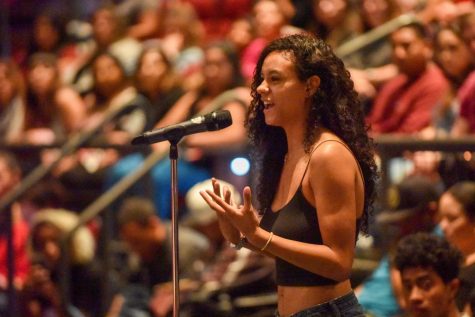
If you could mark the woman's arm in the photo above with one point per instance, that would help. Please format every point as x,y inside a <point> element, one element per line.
<point>332,178</point>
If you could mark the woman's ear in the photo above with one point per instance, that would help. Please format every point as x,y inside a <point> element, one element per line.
<point>312,85</point>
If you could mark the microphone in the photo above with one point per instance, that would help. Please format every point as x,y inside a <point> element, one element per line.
<point>213,121</point>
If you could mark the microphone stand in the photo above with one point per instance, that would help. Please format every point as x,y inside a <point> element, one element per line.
<point>174,191</point>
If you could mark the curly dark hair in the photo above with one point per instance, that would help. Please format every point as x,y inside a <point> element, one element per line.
<point>335,106</point>
<point>425,250</point>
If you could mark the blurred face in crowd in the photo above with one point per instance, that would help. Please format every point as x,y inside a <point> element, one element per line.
<point>46,239</point>
<point>375,12</point>
<point>410,52</point>
<point>42,78</point>
<point>268,19</point>
<point>329,12</point>
<point>108,75</point>
<point>141,238</point>
<point>217,70</point>
<point>241,33</point>
<point>104,26</point>
<point>151,71</point>
<point>7,89</point>
<point>45,34</point>
<point>469,32</point>
<point>453,220</point>
<point>8,177</point>
<point>426,294</point>
<point>452,53</point>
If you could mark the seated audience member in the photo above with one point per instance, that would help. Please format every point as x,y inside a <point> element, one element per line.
<point>12,102</point>
<point>181,38</point>
<point>457,221</point>
<point>270,23</point>
<point>217,17</point>
<point>158,81</point>
<point>112,91</point>
<point>142,17</point>
<point>405,103</point>
<point>53,111</point>
<point>41,294</point>
<point>108,35</point>
<point>335,21</point>
<point>150,238</point>
<point>428,267</point>
<point>465,122</point>
<point>222,82</point>
<point>412,205</point>
<point>455,59</point>
<point>10,176</point>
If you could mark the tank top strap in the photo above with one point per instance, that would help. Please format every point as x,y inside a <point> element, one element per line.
<point>334,140</point>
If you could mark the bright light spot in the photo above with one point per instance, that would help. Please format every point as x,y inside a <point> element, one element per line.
<point>240,166</point>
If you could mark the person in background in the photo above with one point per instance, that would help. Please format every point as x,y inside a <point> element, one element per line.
<point>158,81</point>
<point>108,35</point>
<point>465,121</point>
<point>53,111</point>
<point>10,176</point>
<point>150,238</point>
<point>315,181</point>
<point>412,206</point>
<point>12,102</point>
<point>455,59</point>
<point>41,294</point>
<point>429,267</point>
<point>457,221</point>
<point>405,103</point>
<point>221,77</point>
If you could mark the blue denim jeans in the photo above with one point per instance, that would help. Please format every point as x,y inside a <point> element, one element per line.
<point>344,306</point>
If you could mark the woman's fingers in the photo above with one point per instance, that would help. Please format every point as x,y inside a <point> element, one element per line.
<point>247,197</point>
<point>218,200</point>
<point>211,202</point>
<point>216,186</point>
<point>227,196</point>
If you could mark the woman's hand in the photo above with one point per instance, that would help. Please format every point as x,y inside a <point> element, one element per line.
<point>229,232</point>
<point>243,218</point>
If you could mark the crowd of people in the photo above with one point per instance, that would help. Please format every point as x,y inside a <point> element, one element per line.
<point>152,64</point>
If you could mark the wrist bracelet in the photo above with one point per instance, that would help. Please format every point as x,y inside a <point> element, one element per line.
<point>268,241</point>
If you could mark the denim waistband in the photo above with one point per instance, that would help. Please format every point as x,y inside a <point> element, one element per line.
<point>341,304</point>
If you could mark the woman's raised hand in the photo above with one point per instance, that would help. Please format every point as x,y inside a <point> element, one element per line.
<point>229,232</point>
<point>242,218</point>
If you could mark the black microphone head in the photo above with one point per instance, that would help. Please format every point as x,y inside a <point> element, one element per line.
<point>218,120</point>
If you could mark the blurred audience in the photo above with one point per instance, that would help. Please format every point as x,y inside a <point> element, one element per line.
<point>456,61</point>
<point>217,16</point>
<point>405,103</point>
<point>150,238</point>
<point>41,294</point>
<point>465,122</point>
<point>457,221</point>
<point>412,208</point>
<point>54,111</point>
<point>158,81</point>
<point>12,102</point>
<point>221,89</point>
<point>108,34</point>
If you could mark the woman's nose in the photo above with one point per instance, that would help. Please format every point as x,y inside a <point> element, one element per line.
<point>262,89</point>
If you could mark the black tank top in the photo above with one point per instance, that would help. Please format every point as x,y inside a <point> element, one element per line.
<point>297,221</point>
